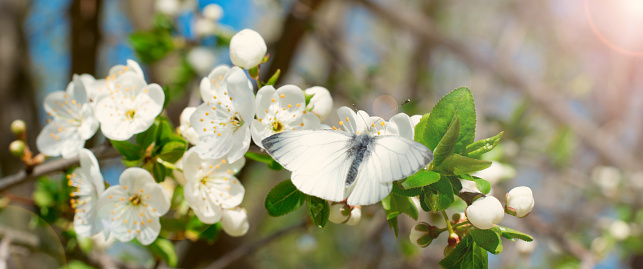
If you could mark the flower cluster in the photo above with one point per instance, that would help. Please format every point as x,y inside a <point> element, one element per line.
<point>487,211</point>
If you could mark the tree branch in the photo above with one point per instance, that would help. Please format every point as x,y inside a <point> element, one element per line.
<point>101,152</point>
<point>249,248</point>
<point>551,102</point>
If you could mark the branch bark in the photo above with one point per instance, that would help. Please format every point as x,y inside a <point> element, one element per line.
<point>101,152</point>
<point>551,102</point>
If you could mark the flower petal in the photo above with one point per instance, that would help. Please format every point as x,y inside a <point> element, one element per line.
<point>347,119</point>
<point>401,125</point>
<point>263,100</point>
<point>235,222</point>
<point>259,131</point>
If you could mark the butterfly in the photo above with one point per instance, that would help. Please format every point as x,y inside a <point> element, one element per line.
<point>338,165</point>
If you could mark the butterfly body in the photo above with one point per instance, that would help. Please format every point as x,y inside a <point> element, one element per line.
<point>338,165</point>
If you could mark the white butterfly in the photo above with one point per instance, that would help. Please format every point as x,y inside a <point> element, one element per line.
<point>336,165</point>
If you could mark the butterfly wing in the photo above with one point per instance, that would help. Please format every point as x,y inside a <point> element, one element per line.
<point>390,158</point>
<point>318,160</point>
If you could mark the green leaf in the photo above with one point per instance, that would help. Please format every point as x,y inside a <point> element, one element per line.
<point>272,164</point>
<point>457,104</point>
<point>127,149</point>
<point>76,264</point>
<point>482,146</point>
<point>152,46</point>
<point>392,223</point>
<point>455,183</point>
<point>512,234</point>
<point>275,166</point>
<point>158,171</point>
<point>466,255</point>
<point>131,163</point>
<point>394,205</point>
<point>164,249</point>
<point>172,151</point>
<point>437,196</point>
<point>447,144</point>
<point>283,199</point>
<point>145,139</point>
<point>273,79</point>
<point>319,210</point>
<point>420,179</point>
<point>397,190</point>
<point>420,130</point>
<point>457,164</point>
<point>488,240</point>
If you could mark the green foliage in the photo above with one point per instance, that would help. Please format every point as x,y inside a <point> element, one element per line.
<point>446,146</point>
<point>479,147</point>
<point>51,197</point>
<point>128,150</point>
<point>437,196</point>
<point>421,130</point>
<point>467,254</point>
<point>481,184</point>
<point>395,205</point>
<point>457,104</point>
<point>398,190</point>
<point>76,264</point>
<point>420,179</point>
<point>164,249</point>
<point>319,210</point>
<point>273,79</point>
<point>283,199</point>
<point>153,45</point>
<point>487,239</point>
<point>457,164</point>
<point>512,234</point>
<point>272,164</point>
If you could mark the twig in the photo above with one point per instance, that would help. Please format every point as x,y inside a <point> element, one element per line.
<point>101,152</point>
<point>249,248</point>
<point>551,102</point>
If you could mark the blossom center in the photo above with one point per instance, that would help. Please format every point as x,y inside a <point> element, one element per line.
<point>135,199</point>
<point>277,126</point>
<point>130,114</point>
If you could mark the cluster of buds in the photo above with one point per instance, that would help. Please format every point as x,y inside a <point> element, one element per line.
<point>343,213</point>
<point>486,211</point>
<point>423,234</point>
<point>19,147</point>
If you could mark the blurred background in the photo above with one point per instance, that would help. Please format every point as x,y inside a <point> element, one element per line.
<point>562,79</point>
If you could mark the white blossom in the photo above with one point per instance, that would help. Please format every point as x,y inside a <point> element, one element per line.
<point>525,247</point>
<point>281,110</point>
<point>211,185</point>
<point>519,201</point>
<point>73,121</point>
<point>321,103</point>
<point>223,120</point>
<point>235,221</point>
<point>204,27</point>
<point>247,49</point>
<point>484,212</point>
<point>339,213</point>
<point>399,125</point>
<point>356,215</point>
<point>168,7</point>
<point>496,172</point>
<point>185,128</point>
<point>201,59</point>
<point>415,119</point>
<point>130,108</point>
<point>213,12</point>
<point>132,208</point>
<point>620,230</point>
<point>89,185</point>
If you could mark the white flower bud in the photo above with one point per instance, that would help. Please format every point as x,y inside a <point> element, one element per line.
<point>321,103</point>
<point>421,234</point>
<point>247,49</point>
<point>235,221</point>
<point>201,59</point>
<point>484,212</point>
<point>525,247</point>
<point>204,27</point>
<point>213,12</point>
<point>519,201</point>
<point>356,215</point>
<point>17,148</point>
<point>168,7</point>
<point>185,128</point>
<point>620,230</point>
<point>339,213</point>
<point>18,128</point>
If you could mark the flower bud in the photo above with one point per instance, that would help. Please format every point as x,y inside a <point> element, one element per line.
<point>525,247</point>
<point>168,7</point>
<point>484,212</point>
<point>235,221</point>
<point>19,128</point>
<point>213,12</point>
<point>620,230</point>
<point>204,27</point>
<point>185,128</point>
<point>17,148</point>
<point>519,201</point>
<point>321,103</point>
<point>339,213</point>
<point>422,234</point>
<point>356,215</point>
<point>247,49</point>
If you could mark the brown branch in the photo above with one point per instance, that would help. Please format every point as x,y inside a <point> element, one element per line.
<point>551,102</point>
<point>249,248</point>
<point>101,152</point>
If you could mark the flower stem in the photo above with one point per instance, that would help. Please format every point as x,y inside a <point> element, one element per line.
<point>448,222</point>
<point>168,165</point>
<point>461,224</point>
